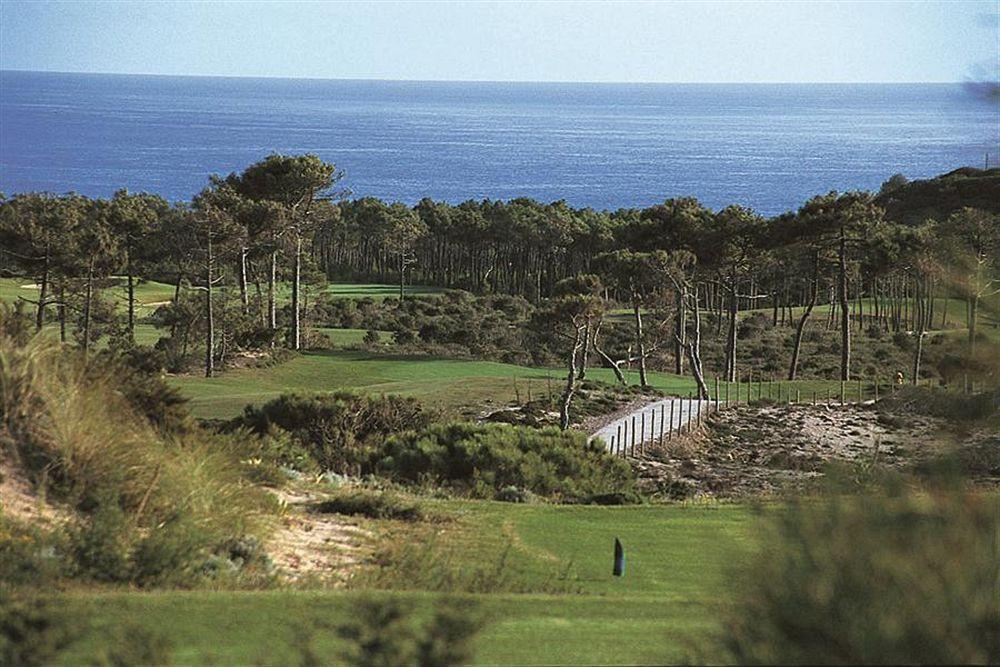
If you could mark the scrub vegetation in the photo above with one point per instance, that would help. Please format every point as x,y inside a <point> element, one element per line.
<point>348,431</point>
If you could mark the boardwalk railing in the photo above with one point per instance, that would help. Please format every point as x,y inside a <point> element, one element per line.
<point>666,419</point>
<point>660,422</point>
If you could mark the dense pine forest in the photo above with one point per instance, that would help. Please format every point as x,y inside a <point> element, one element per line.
<point>633,287</point>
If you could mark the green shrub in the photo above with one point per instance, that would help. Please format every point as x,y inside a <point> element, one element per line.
<point>371,504</point>
<point>950,405</point>
<point>428,565</point>
<point>29,555</point>
<point>447,639</point>
<point>337,430</point>
<point>383,632</point>
<point>132,645</point>
<point>484,459</point>
<point>32,631</point>
<point>888,577</point>
<point>100,545</point>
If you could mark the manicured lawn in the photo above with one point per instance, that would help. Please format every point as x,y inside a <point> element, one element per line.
<point>452,385</point>
<point>665,606</point>
<point>377,290</point>
<point>447,384</point>
<point>344,337</point>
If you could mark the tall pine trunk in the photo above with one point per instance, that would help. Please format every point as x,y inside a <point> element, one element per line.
<point>209,313</point>
<point>130,277</point>
<point>640,344</point>
<point>43,292</point>
<point>567,397</point>
<point>244,292</point>
<point>272,278</point>
<point>296,287</point>
<point>88,301</point>
<point>61,309</point>
<point>800,328</point>
<point>845,314</point>
<point>919,307</point>
<point>680,333</point>
<point>694,350</point>
<point>733,314</point>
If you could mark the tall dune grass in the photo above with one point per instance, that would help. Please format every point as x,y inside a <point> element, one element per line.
<point>82,443</point>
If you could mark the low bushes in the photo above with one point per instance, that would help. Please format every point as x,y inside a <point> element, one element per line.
<point>369,503</point>
<point>391,631</point>
<point>485,460</point>
<point>336,431</point>
<point>895,576</point>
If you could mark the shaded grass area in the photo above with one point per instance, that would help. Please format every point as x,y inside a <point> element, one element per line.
<point>667,602</point>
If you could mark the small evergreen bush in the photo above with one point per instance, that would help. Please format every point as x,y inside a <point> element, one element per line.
<point>895,576</point>
<point>370,503</point>
<point>482,460</point>
<point>336,430</point>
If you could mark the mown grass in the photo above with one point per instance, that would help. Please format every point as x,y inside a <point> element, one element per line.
<point>447,384</point>
<point>150,291</point>
<point>456,386</point>
<point>666,604</point>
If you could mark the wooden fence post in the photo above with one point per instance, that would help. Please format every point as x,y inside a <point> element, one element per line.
<point>642,429</point>
<point>663,414</point>
<point>670,426</point>
<point>633,435</point>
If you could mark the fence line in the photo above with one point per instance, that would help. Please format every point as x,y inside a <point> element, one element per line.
<point>634,433</point>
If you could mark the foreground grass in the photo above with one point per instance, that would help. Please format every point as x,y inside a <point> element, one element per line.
<point>666,604</point>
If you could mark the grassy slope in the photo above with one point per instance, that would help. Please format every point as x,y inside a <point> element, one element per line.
<point>447,384</point>
<point>676,561</point>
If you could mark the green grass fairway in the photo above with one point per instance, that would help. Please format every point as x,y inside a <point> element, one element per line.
<point>377,290</point>
<point>665,607</point>
<point>443,383</point>
<point>344,337</point>
<point>452,385</point>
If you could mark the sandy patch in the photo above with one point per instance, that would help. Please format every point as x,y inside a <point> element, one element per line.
<point>324,546</point>
<point>20,500</point>
<point>760,450</point>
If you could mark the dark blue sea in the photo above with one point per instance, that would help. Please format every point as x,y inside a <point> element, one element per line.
<point>599,145</point>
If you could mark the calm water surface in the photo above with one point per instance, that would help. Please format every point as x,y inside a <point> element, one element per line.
<point>599,145</point>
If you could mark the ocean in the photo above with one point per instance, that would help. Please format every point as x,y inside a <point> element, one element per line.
<point>606,146</point>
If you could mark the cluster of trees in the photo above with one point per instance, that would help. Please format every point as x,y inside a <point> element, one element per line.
<point>235,233</point>
<point>684,260</point>
<point>879,260</point>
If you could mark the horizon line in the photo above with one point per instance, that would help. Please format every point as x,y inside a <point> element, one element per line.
<point>510,81</point>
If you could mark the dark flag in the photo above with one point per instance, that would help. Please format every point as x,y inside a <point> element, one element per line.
<point>619,569</point>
